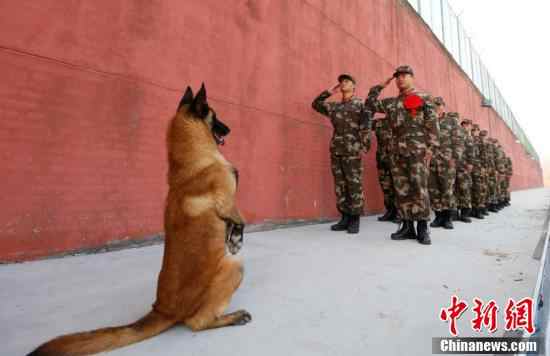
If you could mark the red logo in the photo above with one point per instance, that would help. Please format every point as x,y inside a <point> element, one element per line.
<point>485,316</point>
<point>453,313</point>
<point>520,315</point>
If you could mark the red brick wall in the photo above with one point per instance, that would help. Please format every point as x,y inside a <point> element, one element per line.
<point>88,88</point>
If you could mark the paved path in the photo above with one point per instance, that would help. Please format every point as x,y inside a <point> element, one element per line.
<point>310,291</point>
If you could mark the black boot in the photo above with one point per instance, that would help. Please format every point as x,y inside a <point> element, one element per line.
<point>446,222</point>
<point>493,208</point>
<point>438,219</point>
<point>476,213</point>
<point>485,211</point>
<point>465,215</point>
<point>342,224</point>
<point>453,215</point>
<point>406,231</point>
<point>389,215</point>
<point>353,226</point>
<point>423,233</point>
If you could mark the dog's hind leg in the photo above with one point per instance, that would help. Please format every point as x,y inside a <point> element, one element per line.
<point>210,314</point>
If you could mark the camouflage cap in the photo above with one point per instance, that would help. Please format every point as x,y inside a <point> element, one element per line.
<point>454,115</point>
<point>346,76</point>
<point>475,127</point>
<point>483,133</point>
<point>439,101</point>
<point>403,69</point>
<point>466,122</point>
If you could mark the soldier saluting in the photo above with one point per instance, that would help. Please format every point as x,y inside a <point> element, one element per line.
<point>351,125</point>
<point>415,133</point>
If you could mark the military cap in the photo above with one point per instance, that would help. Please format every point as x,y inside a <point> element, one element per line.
<point>403,69</point>
<point>466,122</point>
<point>483,133</point>
<point>346,76</point>
<point>439,101</point>
<point>475,127</point>
<point>454,115</point>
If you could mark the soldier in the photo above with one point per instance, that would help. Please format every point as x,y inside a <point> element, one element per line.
<point>383,155</point>
<point>464,174</point>
<point>415,134</point>
<point>509,174</point>
<point>486,159</point>
<point>501,175</point>
<point>443,168</point>
<point>479,184</point>
<point>348,119</point>
<point>492,175</point>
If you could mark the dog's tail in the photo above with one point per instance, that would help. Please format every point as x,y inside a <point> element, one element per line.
<point>91,342</point>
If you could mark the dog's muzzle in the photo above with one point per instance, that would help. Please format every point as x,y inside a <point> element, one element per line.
<point>234,237</point>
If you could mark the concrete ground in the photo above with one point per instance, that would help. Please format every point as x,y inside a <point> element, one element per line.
<point>310,291</point>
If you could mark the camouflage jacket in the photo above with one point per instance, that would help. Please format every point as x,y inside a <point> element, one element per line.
<point>509,170</point>
<point>500,160</point>
<point>351,123</point>
<point>383,138</point>
<point>413,131</point>
<point>470,149</point>
<point>491,157</point>
<point>451,139</point>
<point>482,158</point>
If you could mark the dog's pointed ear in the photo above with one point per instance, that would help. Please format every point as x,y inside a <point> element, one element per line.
<point>200,104</point>
<point>187,98</point>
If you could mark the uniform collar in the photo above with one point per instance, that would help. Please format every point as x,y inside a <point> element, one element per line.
<point>347,101</point>
<point>406,93</point>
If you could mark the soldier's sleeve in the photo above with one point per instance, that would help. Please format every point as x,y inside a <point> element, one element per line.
<point>431,125</point>
<point>372,103</point>
<point>501,166</point>
<point>469,151</point>
<point>476,153</point>
<point>365,127</point>
<point>320,105</point>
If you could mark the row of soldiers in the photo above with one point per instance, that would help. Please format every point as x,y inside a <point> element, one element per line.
<point>426,158</point>
<point>469,174</point>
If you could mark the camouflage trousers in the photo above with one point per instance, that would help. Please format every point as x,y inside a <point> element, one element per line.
<point>501,190</point>
<point>441,183</point>
<point>463,191</point>
<point>348,183</point>
<point>385,180</point>
<point>479,188</point>
<point>507,189</point>
<point>410,179</point>
<point>492,185</point>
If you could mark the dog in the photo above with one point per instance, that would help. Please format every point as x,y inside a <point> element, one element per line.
<point>203,231</point>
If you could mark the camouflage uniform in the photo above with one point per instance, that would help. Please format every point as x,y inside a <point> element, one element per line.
<point>509,174</point>
<point>479,179</point>
<point>442,166</point>
<point>463,175</point>
<point>414,131</point>
<point>383,157</point>
<point>347,118</point>
<point>501,171</point>
<point>491,175</point>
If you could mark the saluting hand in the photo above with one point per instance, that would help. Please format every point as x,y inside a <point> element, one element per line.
<point>385,83</point>
<point>334,89</point>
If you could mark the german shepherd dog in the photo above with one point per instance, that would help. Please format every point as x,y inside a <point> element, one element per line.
<point>201,223</point>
